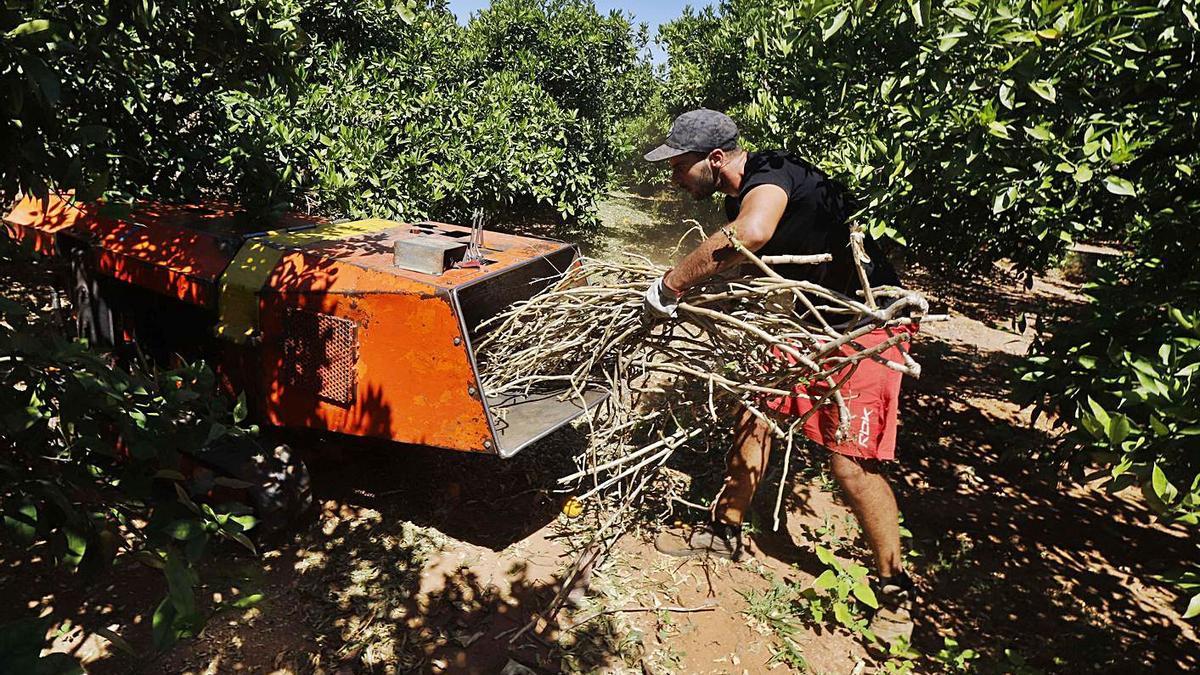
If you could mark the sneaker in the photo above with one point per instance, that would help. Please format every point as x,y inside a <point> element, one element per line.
<point>715,539</point>
<point>893,620</point>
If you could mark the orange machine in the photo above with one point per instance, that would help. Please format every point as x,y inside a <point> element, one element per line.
<point>363,328</point>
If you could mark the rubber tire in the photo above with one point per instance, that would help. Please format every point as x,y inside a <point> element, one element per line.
<point>95,320</point>
<point>282,490</point>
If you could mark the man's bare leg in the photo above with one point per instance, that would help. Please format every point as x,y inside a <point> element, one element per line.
<point>874,505</point>
<point>744,468</point>
<point>745,465</point>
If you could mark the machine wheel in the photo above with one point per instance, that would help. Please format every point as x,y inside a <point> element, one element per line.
<point>280,492</point>
<point>94,318</point>
<point>285,495</point>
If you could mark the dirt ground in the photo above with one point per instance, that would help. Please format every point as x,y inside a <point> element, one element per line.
<point>426,561</point>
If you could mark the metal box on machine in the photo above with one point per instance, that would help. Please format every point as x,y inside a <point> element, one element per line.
<point>364,328</point>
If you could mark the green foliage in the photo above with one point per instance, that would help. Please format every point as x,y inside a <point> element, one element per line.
<point>590,63</point>
<point>954,657</point>
<point>1126,381</point>
<point>972,129</point>
<point>776,608</point>
<point>840,592</point>
<point>94,461</point>
<point>124,95</point>
<point>520,111</point>
<point>373,107</point>
<point>837,597</point>
<point>415,159</point>
<point>21,644</point>
<point>785,606</point>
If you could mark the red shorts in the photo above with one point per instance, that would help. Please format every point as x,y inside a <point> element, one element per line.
<point>872,393</point>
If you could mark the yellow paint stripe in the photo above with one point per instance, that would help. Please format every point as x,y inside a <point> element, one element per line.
<point>237,307</point>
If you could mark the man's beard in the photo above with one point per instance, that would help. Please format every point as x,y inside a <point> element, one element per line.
<point>704,191</point>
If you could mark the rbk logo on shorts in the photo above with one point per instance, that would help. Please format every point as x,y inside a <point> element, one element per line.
<point>864,430</point>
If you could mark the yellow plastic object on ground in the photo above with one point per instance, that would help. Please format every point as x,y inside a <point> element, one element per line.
<point>573,508</point>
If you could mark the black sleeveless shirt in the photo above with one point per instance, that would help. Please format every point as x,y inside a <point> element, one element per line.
<point>814,221</point>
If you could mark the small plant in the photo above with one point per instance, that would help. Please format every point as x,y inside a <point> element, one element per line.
<point>901,660</point>
<point>910,551</point>
<point>836,596</point>
<point>839,592</point>
<point>776,608</point>
<point>954,657</point>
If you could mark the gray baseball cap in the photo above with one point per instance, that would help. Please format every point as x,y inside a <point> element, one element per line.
<point>701,131</point>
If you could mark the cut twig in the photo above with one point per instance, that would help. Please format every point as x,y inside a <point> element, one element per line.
<point>708,607</point>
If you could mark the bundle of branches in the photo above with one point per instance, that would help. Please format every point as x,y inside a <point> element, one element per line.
<point>733,343</point>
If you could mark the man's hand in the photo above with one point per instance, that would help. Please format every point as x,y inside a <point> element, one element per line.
<point>660,302</point>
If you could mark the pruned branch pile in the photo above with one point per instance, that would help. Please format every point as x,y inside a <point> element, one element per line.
<point>734,343</point>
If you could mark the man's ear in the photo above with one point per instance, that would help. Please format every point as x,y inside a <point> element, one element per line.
<point>717,157</point>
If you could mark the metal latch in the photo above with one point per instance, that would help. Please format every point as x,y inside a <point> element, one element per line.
<point>474,255</point>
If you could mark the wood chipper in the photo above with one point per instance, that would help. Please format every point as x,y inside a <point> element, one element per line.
<point>364,328</point>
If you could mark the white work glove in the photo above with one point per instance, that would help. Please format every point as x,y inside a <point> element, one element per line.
<point>659,302</point>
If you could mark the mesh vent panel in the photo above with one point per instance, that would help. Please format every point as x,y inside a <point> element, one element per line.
<point>320,354</point>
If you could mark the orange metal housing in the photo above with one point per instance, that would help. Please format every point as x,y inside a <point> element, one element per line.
<point>179,251</point>
<point>330,334</point>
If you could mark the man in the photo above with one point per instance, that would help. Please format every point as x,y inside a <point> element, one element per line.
<point>780,205</point>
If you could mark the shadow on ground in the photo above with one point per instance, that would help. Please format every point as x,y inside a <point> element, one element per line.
<point>367,587</point>
<point>1012,557</point>
<point>480,499</point>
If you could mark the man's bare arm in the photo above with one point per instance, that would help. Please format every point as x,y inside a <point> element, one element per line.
<point>755,225</point>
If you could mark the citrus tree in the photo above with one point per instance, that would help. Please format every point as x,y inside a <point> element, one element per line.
<point>520,111</point>
<point>124,95</point>
<point>972,129</point>
<point>371,107</point>
<point>1125,379</point>
<point>95,464</point>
